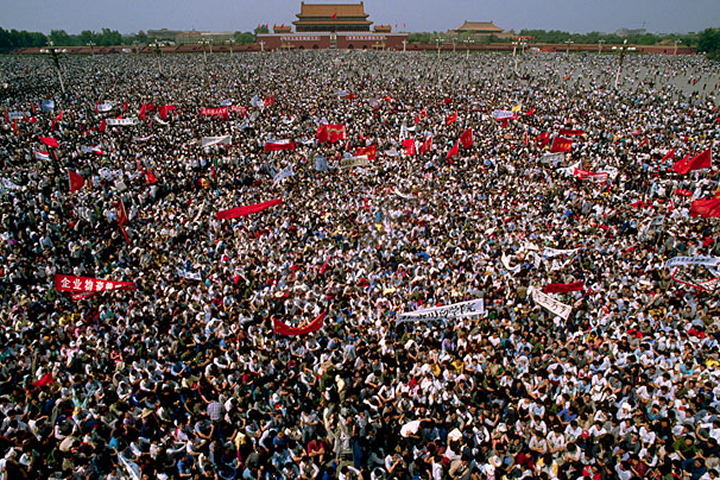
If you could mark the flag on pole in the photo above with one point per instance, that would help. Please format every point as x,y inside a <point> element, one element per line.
<point>426,145</point>
<point>409,145</point>
<point>76,181</point>
<point>561,144</point>
<point>331,133</point>
<point>698,162</point>
<point>453,151</point>
<point>150,177</point>
<point>705,208</point>
<point>466,138</point>
<point>42,155</point>
<point>370,152</point>
<point>49,141</point>
<point>452,118</point>
<point>517,108</point>
<point>668,156</point>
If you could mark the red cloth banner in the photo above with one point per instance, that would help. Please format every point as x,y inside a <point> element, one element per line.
<point>278,145</point>
<point>683,193</point>
<point>163,110</point>
<point>248,209</point>
<point>240,109</point>
<point>49,141</point>
<point>452,118</point>
<point>214,111</point>
<point>592,176</point>
<point>561,144</point>
<point>698,162</point>
<point>668,156</point>
<point>46,379</point>
<point>331,133</point>
<point>283,329</point>
<point>70,283</point>
<point>563,287</point>
<point>571,132</point>
<point>370,152</point>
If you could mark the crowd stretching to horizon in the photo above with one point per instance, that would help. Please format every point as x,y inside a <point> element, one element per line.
<point>184,377</point>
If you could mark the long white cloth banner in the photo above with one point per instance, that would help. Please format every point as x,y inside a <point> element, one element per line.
<point>360,161</point>
<point>288,172</point>
<point>222,140</point>
<point>704,261</point>
<point>548,302</point>
<point>456,310</point>
<point>554,252</point>
<point>113,122</point>
<point>552,157</point>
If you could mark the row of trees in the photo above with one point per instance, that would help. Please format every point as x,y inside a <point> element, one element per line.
<point>708,41</point>
<point>557,36</point>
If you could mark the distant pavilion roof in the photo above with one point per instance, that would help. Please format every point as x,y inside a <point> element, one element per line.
<point>478,27</point>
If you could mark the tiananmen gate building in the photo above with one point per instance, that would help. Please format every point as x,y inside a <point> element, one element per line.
<point>331,25</point>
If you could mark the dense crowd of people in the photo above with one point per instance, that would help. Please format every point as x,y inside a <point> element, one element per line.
<point>184,377</point>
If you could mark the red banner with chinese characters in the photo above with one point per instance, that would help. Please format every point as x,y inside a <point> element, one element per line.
<point>80,285</point>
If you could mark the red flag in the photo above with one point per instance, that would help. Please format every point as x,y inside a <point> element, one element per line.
<point>543,139</point>
<point>561,144</point>
<point>466,138</point>
<point>426,145</point>
<point>59,116</point>
<point>76,181</point>
<point>15,127</point>
<point>103,125</point>
<point>705,208</point>
<point>409,145</point>
<point>247,210</point>
<point>638,204</point>
<point>453,151</point>
<point>571,132</point>
<point>5,114</point>
<point>46,379</point>
<point>644,142</point>
<point>668,156</point>
<point>283,329</point>
<point>269,100</point>
<point>370,152</point>
<point>452,118</point>
<point>163,110</point>
<point>530,112</point>
<point>698,162</point>
<point>331,133</point>
<point>563,287</point>
<point>125,106</point>
<point>150,177</point>
<point>121,213</point>
<point>278,145</point>
<point>334,16</point>
<point>49,141</point>
<point>53,125</point>
<point>447,100</point>
<point>142,116</point>
<point>683,193</point>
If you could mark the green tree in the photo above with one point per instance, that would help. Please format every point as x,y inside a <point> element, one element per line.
<point>709,43</point>
<point>261,29</point>
<point>245,37</point>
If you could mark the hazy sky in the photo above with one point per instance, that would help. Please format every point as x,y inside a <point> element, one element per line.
<point>130,16</point>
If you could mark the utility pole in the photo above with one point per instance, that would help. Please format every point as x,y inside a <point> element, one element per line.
<point>54,53</point>
<point>622,49</point>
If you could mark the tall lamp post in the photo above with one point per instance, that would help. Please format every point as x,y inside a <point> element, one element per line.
<point>230,42</point>
<point>568,42</point>
<point>437,41</point>
<point>92,47</point>
<point>204,42</point>
<point>55,55</point>
<point>404,42</point>
<point>676,43</point>
<point>467,43</point>
<point>600,44</point>
<point>622,49</point>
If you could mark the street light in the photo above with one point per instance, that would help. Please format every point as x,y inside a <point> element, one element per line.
<point>437,41</point>
<point>230,42</point>
<point>568,42</point>
<point>56,60</point>
<point>600,44</point>
<point>622,49</point>
<point>204,42</point>
<point>467,43</point>
<point>676,42</point>
<point>92,47</point>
